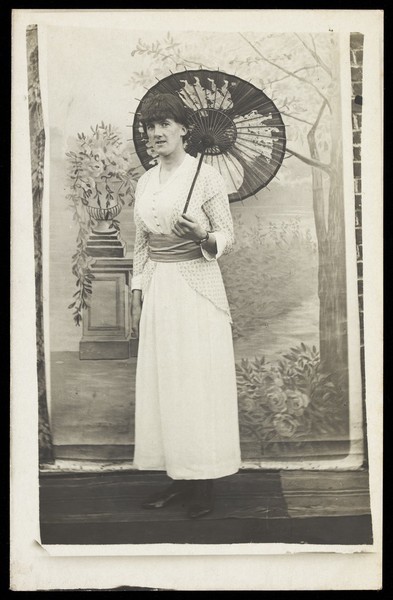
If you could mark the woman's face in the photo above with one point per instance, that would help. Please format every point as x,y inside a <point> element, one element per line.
<point>166,136</point>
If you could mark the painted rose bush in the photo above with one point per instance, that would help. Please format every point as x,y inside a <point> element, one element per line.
<point>291,400</point>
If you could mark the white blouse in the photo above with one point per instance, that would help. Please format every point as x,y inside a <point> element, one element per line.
<point>157,208</point>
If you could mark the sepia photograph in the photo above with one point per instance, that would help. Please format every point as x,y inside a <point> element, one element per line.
<point>196,238</point>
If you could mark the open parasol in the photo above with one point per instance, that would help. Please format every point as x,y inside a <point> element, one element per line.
<point>234,127</point>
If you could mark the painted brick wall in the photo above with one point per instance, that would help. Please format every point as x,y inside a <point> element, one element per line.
<point>356,49</point>
<point>357,97</point>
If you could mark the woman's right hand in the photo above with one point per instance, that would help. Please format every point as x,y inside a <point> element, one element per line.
<point>136,309</point>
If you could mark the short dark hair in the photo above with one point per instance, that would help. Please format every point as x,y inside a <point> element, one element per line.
<point>158,107</point>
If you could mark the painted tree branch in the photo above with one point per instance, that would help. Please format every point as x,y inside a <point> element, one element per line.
<point>313,43</point>
<point>315,55</point>
<point>317,184</point>
<point>319,116</point>
<point>308,68</point>
<point>310,161</point>
<point>175,57</point>
<point>178,60</point>
<point>296,118</point>
<point>290,73</point>
<point>195,63</point>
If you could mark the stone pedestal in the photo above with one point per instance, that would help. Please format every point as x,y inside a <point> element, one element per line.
<point>105,242</point>
<point>106,322</point>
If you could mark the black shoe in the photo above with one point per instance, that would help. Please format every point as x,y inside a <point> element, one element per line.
<point>176,491</point>
<point>201,502</point>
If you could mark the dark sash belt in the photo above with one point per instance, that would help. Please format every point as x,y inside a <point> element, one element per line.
<point>172,248</point>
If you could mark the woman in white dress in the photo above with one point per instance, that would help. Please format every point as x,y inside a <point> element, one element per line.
<point>186,398</point>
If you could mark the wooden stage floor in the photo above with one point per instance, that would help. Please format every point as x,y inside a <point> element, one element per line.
<point>325,507</point>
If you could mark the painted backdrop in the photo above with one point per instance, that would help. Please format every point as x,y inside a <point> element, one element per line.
<point>286,279</point>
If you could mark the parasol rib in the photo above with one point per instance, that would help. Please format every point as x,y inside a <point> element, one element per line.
<point>223,98</point>
<point>245,184</point>
<point>199,126</point>
<point>199,98</point>
<point>231,176</point>
<point>196,91</point>
<point>258,147</point>
<point>214,105</point>
<point>268,174</point>
<point>218,165</point>
<point>269,168</point>
<point>259,135</point>
<point>182,89</point>
<point>161,82</point>
<point>235,165</point>
<point>247,107</point>
<point>272,117</point>
<point>217,128</point>
<point>249,190</point>
<point>243,96</point>
<point>239,155</point>
<point>257,155</point>
<point>201,122</point>
<point>257,127</point>
<point>217,112</point>
<point>219,168</point>
<point>215,96</point>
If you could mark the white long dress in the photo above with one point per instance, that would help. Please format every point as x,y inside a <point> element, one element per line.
<point>186,399</point>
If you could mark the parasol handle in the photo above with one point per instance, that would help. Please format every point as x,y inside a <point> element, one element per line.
<point>193,181</point>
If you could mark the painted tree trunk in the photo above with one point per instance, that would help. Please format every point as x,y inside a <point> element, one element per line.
<point>331,244</point>
<point>37,149</point>
<point>332,280</point>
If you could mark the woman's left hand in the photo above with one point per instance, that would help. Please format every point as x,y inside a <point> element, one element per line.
<point>187,227</point>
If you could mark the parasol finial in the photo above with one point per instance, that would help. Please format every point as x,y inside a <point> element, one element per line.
<point>208,141</point>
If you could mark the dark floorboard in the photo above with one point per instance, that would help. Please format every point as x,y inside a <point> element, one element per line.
<point>250,507</point>
<point>321,530</point>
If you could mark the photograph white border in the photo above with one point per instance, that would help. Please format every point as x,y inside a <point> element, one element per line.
<point>237,566</point>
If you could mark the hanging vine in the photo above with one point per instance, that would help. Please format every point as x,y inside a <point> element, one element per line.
<point>100,159</point>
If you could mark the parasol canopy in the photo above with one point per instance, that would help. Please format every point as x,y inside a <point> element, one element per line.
<point>234,127</point>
